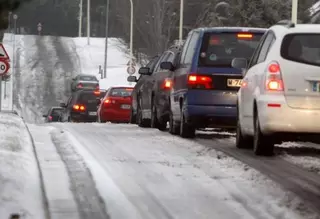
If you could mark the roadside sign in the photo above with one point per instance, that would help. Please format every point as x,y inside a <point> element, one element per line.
<point>131,70</point>
<point>4,67</point>
<point>133,63</point>
<point>3,53</point>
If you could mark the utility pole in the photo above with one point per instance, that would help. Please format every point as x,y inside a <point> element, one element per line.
<point>181,21</point>
<point>88,21</point>
<point>106,43</point>
<point>294,11</point>
<point>80,18</point>
<point>131,34</point>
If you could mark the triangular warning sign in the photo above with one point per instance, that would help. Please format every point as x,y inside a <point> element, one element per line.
<point>3,52</point>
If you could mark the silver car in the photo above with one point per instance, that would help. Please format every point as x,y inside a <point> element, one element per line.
<point>82,81</point>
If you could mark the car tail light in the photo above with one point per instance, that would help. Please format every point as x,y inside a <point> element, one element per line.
<point>274,80</point>
<point>96,92</point>
<point>109,101</point>
<point>199,82</point>
<point>50,118</point>
<point>78,107</point>
<point>167,84</point>
<point>79,85</point>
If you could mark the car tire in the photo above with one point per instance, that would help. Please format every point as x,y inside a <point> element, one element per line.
<point>143,123</point>
<point>173,126</point>
<point>186,130</point>
<point>242,142</point>
<point>262,144</point>
<point>155,123</point>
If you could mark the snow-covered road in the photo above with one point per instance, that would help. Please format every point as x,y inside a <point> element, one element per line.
<point>144,173</point>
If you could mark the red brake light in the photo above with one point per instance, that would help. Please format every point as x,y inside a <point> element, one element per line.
<point>107,101</point>
<point>50,118</point>
<point>274,80</point>
<point>245,35</point>
<point>199,82</point>
<point>96,92</point>
<point>167,83</point>
<point>80,85</point>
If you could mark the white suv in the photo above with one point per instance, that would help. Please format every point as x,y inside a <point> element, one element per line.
<point>280,92</point>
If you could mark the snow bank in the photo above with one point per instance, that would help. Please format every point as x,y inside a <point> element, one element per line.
<point>20,190</point>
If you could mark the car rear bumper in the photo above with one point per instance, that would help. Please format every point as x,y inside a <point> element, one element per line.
<point>116,115</point>
<point>211,116</point>
<point>284,119</point>
<point>83,117</point>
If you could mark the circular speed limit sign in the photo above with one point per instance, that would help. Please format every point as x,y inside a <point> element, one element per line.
<point>4,67</point>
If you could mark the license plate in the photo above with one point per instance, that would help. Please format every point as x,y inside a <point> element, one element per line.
<point>125,106</point>
<point>92,113</point>
<point>316,86</point>
<point>234,82</point>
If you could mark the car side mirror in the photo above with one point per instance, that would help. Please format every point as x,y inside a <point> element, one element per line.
<point>132,78</point>
<point>144,71</point>
<point>63,105</point>
<point>45,116</point>
<point>98,101</point>
<point>167,66</point>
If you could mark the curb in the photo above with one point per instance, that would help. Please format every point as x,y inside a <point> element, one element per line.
<point>44,194</point>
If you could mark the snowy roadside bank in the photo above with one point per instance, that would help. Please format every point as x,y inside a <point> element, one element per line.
<point>20,190</point>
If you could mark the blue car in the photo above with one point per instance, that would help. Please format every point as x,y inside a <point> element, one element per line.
<point>204,84</point>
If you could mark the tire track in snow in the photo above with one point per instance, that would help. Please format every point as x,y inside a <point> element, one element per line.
<point>301,182</point>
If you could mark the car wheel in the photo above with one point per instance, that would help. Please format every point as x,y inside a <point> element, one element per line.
<point>186,130</point>
<point>144,123</point>
<point>173,127</point>
<point>241,140</point>
<point>262,145</point>
<point>155,123</point>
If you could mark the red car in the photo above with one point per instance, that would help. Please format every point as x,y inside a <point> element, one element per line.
<point>116,105</point>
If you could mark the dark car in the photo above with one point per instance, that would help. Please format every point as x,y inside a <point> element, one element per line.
<point>81,107</point>
<point>155,96</point>
<point>138,90</point>
<point>205,85</point>
<point>83,81</point>
<point>53,114</point>
<point>116,105</point>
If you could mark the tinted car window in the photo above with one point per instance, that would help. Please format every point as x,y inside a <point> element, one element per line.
<point>56,112</point>
<point>88,78</point>
<point>304,48</point>
<point>87,98</point>
<point>121,92</point>
<point>218,49</point>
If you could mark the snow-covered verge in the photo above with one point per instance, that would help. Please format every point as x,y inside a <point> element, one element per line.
<point>20,190</point>
<point>91,56</point>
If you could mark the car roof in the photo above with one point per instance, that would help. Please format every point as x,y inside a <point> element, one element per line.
<point>232,29</point>
<point>86,75</point>
<point>299,28</point>
<point>56,107</point>
<point>121,87</point>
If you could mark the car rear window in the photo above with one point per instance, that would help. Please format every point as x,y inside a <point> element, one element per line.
<point>87,98</point>
<point>88,78</point>
<point>218,49</point>
<point>121,92</point>
<point>303,48</point>
<point>56,112</point>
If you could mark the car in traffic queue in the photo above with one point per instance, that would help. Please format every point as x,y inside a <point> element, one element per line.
<point>116,105</point>
<point>138,90</point>
<point>279,99</point>
<point>204,84</point>
<point>53,114</point>
<point>85,81</point>
<point>155,92</point>
<point>81,107</point>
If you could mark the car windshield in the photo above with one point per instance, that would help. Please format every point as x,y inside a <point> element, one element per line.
<point>218,49</point>
<point>121,92</point>
<point>304,48</point>
<point>56,112</point>
<point>88,78</point>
